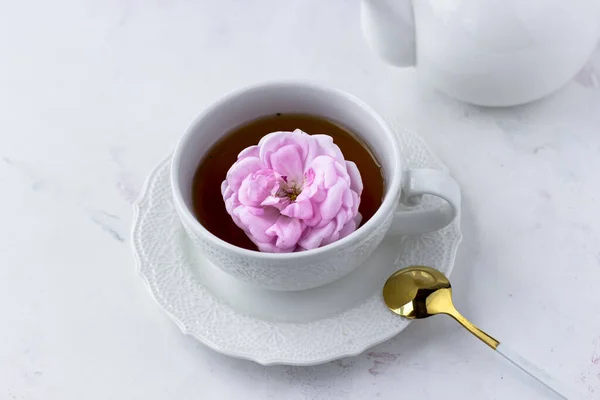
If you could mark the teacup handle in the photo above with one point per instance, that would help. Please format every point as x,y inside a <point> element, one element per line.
<point>417,182</point>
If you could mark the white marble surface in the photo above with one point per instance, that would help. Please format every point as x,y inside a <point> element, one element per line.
<point>94,93</point>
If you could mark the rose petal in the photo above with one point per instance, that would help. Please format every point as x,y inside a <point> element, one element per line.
<point>316,217</point>
<point>315,236</point>
<point>301,139</point>
<point>231,203</point>
<point>224,187</point>
<point>227,193</point>
<point>340,221</point>
<point>241,169</point>
<point>328,147</point>
<point>256,188</point>
<point>347,199</point>
<point>313,151</point>
<point>258,211</point>
<point>309,177</point>
<point>356,183</point>
<point>274,141</point>
<point>319,195</point>
<point>355,202</point>
<point>325,171</point>
<point>251,151</point>
<point>256,225</point>
<point>315,191</point>
<point>332,204</point>
<point>274,201</point>
<point>287,162</point>
<point>349,215</point>
<point>340,170</point>
<point>270,247</point>
<point>288,231</point>
<point>330,239</point>
<point>349,227</point>
<point>301,209</point>
<point>270,201</point>
<point>357,219</point>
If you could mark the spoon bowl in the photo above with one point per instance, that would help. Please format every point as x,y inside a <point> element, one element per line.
<point>411,291</point>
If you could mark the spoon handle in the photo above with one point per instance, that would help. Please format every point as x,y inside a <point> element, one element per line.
<point>533,370</point>
<point>481,335</point>
<point>536,372</point>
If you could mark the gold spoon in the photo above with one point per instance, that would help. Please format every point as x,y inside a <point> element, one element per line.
<point>419,292</point>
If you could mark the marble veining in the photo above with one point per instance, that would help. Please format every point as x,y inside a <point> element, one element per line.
<point>107,222</point>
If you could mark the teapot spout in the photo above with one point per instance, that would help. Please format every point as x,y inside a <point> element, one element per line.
<point>389,29</point>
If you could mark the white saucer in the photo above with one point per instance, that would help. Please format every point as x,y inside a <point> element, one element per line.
<point>307,327</point>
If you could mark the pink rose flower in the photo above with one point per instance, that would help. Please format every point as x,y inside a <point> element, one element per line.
<point>293,191</point>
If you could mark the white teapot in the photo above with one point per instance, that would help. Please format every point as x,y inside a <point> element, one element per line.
<point>486,52</point>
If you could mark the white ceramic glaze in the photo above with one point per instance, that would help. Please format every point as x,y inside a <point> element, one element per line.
<point>309,269</point>
<point>277,327</point>
<point>537,373</point>
<point>486,52</point>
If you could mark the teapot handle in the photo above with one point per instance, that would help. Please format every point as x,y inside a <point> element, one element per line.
<point>389,28</point>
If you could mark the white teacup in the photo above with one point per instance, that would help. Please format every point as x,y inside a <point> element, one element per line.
<point>311,268</point>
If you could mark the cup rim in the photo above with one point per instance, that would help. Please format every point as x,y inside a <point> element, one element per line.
<point>388,204</point>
